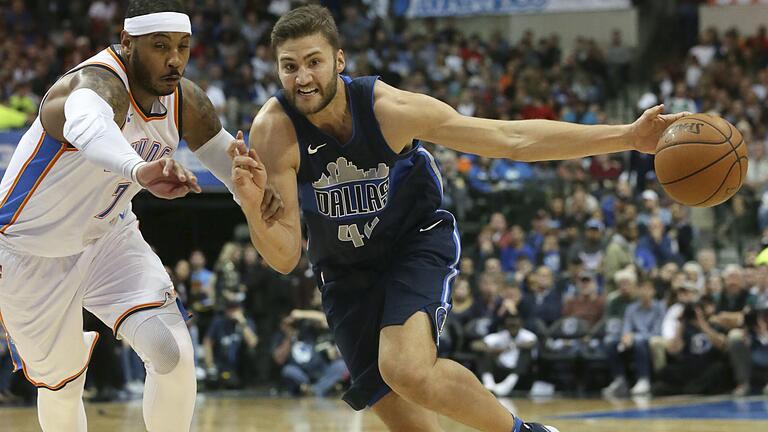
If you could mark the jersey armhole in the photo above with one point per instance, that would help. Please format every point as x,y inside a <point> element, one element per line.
<point>177,112</point>
<point>98,65</point>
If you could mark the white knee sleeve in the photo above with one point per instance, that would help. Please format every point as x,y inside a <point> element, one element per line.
<point>161,339</point>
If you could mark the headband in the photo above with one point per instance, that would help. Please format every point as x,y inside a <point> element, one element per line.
<point>158,22</point>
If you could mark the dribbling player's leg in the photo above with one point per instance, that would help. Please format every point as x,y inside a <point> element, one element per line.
<point>63,409</point>
<point>402,416</point>
<point>409,365</point>
<point>162,340</point>
<point>129,290</point>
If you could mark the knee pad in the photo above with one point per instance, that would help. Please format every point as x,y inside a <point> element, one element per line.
<point>161,339</point>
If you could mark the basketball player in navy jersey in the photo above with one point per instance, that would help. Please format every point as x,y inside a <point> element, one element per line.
<point>345,152</point>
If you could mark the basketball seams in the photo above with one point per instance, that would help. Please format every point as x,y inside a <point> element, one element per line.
<point>691,142</point>
<point>738,158</point>
<point>733,149</point>
<point>725,178</point>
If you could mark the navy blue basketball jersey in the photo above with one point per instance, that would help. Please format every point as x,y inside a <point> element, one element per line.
<point>359,199</point>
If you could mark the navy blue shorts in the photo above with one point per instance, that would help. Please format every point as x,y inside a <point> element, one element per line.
<point>359,302</point>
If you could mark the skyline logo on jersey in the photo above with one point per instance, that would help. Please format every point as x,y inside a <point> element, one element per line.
<point>349,191</point>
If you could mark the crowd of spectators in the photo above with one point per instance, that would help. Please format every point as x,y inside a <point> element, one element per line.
<point>569,267</point>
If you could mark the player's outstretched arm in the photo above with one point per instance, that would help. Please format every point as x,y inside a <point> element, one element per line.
<point>404,115</point>
<point>273,155</point>
<point>87,109</point>
<point>208,140</point>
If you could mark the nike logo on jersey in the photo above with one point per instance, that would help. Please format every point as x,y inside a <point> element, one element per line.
<point>312,151</point>
<point>431,226</point>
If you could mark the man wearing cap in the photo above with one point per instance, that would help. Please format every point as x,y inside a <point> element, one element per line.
<point>590,248</point>
<point>587,304</point>
<point>651,207</point>
<point>68,237</point>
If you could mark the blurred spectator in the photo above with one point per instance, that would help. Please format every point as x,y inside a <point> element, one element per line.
<point>750,358</point>
<point>642,320</point>
<point>229,346</point>
<point>652,207</point>
<point>735,293</point>
<point>681,232</point>
<point>587,304</point>
<point>516,249</point>
<point>706,49</point>
<point>542,305</point>
<point>656,245</point>
<point>620,251</point>
<point>758,293</point>
<point>506,355</point>
<point>464,308</point>
<point>701,367</point>
<point>590,249</point>
<point>618,57</point>
<point>684,295</point>
<point>310,363</point>
<point>202,292</point>
<point>227,274</point>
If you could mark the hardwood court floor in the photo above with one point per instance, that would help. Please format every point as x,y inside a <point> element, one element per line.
<point>305,415</point>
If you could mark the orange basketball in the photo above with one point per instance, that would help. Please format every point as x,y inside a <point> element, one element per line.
<point>701,160</point>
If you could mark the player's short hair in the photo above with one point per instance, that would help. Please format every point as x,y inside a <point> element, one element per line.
<point>144,7</point>
<point>306,21</point>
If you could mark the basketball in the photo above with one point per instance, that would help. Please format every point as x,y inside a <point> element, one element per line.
<point>701,160</point>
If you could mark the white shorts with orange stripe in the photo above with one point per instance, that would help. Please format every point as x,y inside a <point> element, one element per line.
<point>42,300</point>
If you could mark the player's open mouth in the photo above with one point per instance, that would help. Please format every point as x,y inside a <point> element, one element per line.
<point>307,92</point>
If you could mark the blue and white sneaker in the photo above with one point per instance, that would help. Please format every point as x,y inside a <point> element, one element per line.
<point>521,426</point>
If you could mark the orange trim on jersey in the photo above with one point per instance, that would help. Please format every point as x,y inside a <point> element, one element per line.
<point>130,96</point>
<point>23,167</point>
<point>176,108</point>
<point>37,183</point>
<point>141,113</point>
<point>91,63</point>
<point>117,59</point>
<point>132,310</point>
<point>63,382</point>
<point>8,343</point>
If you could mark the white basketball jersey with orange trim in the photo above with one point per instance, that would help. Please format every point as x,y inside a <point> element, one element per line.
<point>54,201</point>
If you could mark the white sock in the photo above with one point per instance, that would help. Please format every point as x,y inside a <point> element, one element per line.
<point>62,410</point>
<point>503,388</point>
<point>488,381</point>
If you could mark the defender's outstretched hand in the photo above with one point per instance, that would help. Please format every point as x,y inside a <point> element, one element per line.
<point>248,174</point>
<point>645,131</point>
<point>166,178</point>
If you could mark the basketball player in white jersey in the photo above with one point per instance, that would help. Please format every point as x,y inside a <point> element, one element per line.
<point>68,237</point>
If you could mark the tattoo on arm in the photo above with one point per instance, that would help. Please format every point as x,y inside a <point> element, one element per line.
<point>201,122</point>
<point>107,85</point>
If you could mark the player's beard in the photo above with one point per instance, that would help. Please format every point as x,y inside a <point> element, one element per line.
<point>144,77</point>
<point>328,91</point>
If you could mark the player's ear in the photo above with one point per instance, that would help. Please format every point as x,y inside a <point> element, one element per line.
<point>126,41</point>
<point>340,62</point>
